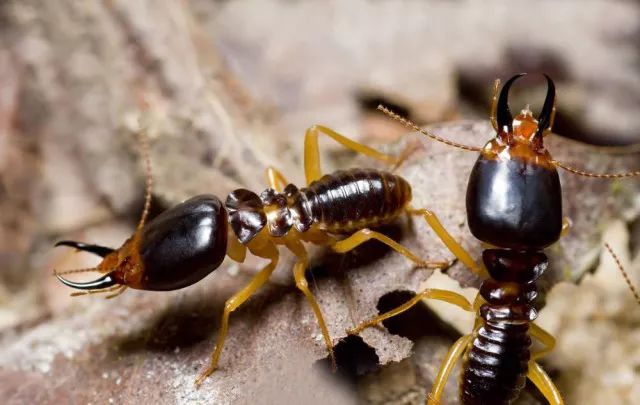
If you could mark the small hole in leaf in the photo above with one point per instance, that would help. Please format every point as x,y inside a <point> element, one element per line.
<point>417,322</point>
<point>353,357</point>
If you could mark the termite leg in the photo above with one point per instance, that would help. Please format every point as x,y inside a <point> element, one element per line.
<point>566,226</point>
<point>312,169</point>
<point>453,246</point>
<point>545,338</point>
<point>301,282</point>
<point>275,179</point>
<point>364,235</point>
<point>541,380</point>
<point>494,105</point>
<point>233,303</point>
<point>235,250</point>
<point>430,293</point>
<point>453,355</point>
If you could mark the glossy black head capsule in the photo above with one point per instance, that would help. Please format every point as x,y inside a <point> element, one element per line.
<point>514,198</point>
<point>174,250</point>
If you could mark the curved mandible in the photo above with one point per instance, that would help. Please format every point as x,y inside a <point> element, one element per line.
<point>504,117</point>
<point>101,251</point>
<point>105,281</point>
<point>544,119</point>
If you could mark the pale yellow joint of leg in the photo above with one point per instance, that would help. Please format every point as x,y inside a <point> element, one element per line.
<point>275,179</point>
<point>566,226</point>
<point>235,250</point>
<point>494,105</point>
<point>364,235</point>
<point>545,338</point>
<point>477,303</point>
<point>430,293</point>
<point>301,282</point>
<point>453,246</point>
<point>541,380</point>
<point>231,305</point>
<point>312,153</point>
<point>455,352</point>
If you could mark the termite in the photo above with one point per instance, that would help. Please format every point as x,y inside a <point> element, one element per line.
<point>514,204</point>
<point>185,243</point>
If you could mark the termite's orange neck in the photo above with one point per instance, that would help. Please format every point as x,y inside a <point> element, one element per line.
<point>124,263</point>
<point>522,142</point>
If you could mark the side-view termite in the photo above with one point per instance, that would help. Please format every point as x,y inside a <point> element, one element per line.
<point>514,204</point>
<point>185,243</point>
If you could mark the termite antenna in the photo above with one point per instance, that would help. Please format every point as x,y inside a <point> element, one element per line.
<point>627,279</point>
<point>407,123</point>
<point>595,175</point>
<point>144,153</point>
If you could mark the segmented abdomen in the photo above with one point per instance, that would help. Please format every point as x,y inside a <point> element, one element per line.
<point>348,200</point>
<point>495,368</point>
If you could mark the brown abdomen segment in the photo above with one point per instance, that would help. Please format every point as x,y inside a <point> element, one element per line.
<point>348,200</point>
<point>495,369</point>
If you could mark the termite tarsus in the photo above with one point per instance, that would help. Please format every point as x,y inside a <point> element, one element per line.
<point>184,244</point>
<point>514,203</point>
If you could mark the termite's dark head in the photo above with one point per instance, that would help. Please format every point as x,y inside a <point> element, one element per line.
<point>174,250</point>
<point>514,198</point>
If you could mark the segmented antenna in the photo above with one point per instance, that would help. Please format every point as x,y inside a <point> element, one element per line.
<point>595,175</point>
<point>413,126</point>
<point>144,153</point>
<point>633,289</point>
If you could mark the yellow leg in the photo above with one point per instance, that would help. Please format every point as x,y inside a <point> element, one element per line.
<point>455,248</point>
<point>275,179</point>
<point>430,293</point>
<point>236,250</point>
<point>364,235</point>
<point>566,226</point>
<point>545,385</point>
<point>302,284</point>
<point>312,169</point>
<point>231,305</point>
<point>455,352</point>
<point>494,105</point>
<point>545,338</point>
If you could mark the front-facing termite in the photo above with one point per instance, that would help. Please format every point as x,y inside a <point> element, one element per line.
<point>184,244</point>
<point>514,204</point>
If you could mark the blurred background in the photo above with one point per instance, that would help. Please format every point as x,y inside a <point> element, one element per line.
<point>226,88</point>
